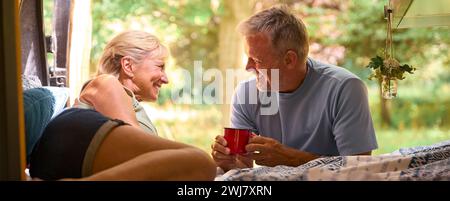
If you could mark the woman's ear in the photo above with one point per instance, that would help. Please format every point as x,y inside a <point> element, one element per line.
<point>290,59</point>
<point>127,66</point>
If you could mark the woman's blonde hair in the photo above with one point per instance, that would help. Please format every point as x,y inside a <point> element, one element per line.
<point>135,44</point>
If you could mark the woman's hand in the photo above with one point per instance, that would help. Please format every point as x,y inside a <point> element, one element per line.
<point>223,158</point>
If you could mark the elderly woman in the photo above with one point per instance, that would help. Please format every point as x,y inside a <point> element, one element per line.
<point>107,135</point>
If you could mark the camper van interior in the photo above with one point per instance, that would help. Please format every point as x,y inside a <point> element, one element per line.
<point>34,89</point>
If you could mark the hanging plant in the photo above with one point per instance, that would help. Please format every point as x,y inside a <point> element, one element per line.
<point>389,67</point>
<point>388,70</point>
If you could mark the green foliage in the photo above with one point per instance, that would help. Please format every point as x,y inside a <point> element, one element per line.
<point>48,16</point>
<point>416,112</point>
<point>390,140</point>
<point>192,24</point>
<point>375,63</point>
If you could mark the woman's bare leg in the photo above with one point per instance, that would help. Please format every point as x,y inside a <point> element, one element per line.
<point>128,153</point>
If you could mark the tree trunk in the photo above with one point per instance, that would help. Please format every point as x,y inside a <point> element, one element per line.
<point>231,46</point>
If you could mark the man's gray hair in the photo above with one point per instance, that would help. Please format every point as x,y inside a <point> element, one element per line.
<point>285,30</point>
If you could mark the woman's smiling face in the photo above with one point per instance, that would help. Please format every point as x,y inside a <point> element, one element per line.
<point>149,76</point>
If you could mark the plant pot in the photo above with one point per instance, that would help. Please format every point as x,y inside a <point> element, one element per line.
<point>389,87</point>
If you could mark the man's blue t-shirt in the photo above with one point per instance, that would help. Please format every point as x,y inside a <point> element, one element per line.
<point>327,115</point>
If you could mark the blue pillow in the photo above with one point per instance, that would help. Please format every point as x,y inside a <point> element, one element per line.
<point>61,95</point>
<point>40,106</point>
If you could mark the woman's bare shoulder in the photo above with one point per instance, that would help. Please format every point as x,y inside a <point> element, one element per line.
<point>107,95</point>
<point>102,86</point>
<point>103,81</point>
<point>107,83</point>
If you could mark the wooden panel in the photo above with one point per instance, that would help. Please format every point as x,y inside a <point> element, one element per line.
<point>61,30</point>
<point>12,137</point>
<point>33,49</point>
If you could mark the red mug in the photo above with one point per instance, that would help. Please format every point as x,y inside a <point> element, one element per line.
<point>237,139</point>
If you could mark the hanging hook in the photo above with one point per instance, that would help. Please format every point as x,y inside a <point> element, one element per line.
<point>387,11</point>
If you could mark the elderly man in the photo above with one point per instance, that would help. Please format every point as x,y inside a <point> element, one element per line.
<point>322,109</point>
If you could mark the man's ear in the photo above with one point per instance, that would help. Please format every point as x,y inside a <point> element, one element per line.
<point>127,66</point>
<point>290,59</point>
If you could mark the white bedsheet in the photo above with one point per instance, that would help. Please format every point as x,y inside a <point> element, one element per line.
<point>417,163</point>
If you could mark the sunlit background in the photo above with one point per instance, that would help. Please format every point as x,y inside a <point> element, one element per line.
<point>345,33</point>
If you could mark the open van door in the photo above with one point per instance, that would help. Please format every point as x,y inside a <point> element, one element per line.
<point>12,137</point>
<point>36,46</point>
<point>23,55</point>
<point>416,13</point>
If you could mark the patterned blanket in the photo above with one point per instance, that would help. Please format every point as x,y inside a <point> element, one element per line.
<point>418,163</point>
